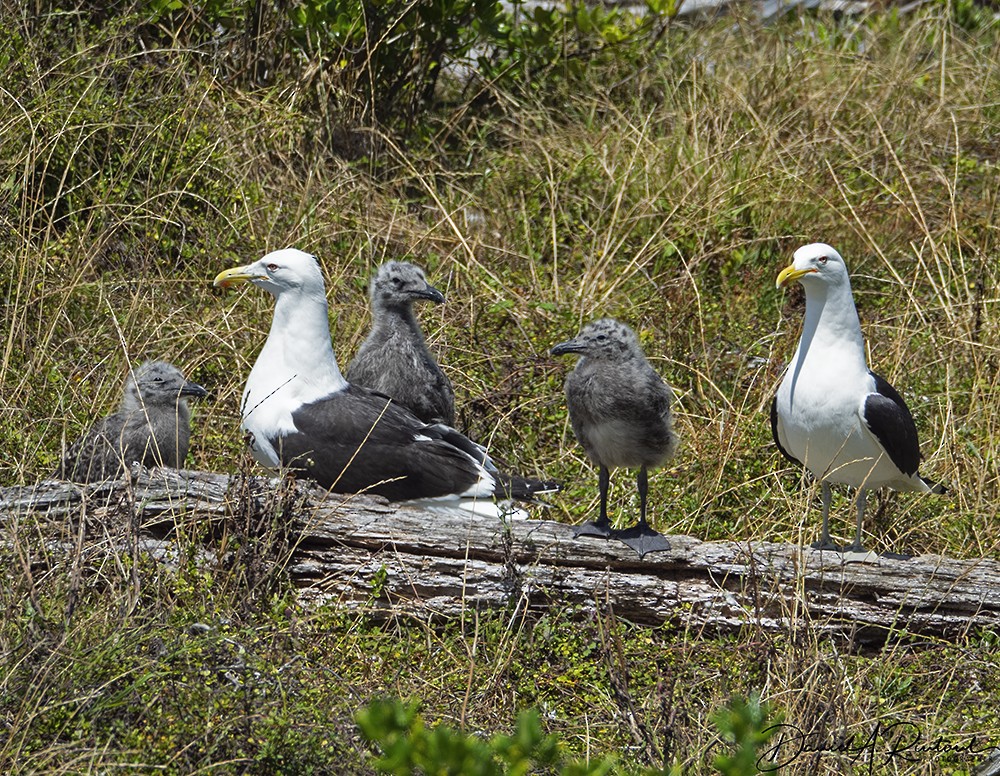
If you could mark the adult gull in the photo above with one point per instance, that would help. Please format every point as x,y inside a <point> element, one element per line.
<point>301,414</point>
<point>152,426</point>
<point>832,414</point>
<point>394,358</point>
<point>619,408</point>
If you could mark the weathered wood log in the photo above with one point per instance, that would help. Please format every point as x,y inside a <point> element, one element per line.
<point>359,551</point>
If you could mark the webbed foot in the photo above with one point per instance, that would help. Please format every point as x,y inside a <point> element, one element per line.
<point>643,539</point>
<point>602,530</point>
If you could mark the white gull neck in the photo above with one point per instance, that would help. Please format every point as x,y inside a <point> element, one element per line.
<point>831,326</point>
<point>297,363</point>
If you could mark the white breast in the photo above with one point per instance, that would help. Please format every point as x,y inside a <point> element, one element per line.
<point>821,421</point>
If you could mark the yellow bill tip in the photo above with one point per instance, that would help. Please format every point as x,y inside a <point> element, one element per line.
<point>789,275</point>
<point>230,277</point>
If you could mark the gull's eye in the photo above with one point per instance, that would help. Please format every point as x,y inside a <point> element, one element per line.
<point>272,267</point>
<point>397,282</point>
<point>823,259</point>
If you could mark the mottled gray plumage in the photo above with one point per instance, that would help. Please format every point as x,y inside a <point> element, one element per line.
<point>394,359</point>
<point>152,426</point>
<point>620,411</point>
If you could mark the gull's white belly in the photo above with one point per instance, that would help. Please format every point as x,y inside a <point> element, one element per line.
<point>838,454</point>
<point>824,429</point>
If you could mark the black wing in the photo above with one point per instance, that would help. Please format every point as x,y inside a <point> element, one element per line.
<point>359,441</point>
<point>888,418</point>
<point>774,433</point>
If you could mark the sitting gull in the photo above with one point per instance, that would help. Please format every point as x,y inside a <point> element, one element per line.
<point>152,426</point>
<point>620,411</point>
<point>832,414</point>
<point>394,359</point>
<point>301,414</point>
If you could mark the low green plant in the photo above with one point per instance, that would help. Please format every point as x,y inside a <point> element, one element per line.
<point>746,724</point>
<point>409,746</point>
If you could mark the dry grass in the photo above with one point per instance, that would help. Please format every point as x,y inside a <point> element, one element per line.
<point>669,196</point>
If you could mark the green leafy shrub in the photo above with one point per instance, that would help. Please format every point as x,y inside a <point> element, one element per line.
<point>384,59</point>
<point>389,54</point>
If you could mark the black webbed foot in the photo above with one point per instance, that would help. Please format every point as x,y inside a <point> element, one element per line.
<point>600,529</point>
<point>643,539</point>
<point>895,556</point>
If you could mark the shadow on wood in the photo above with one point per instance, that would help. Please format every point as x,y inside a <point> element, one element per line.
<point>434,562</point>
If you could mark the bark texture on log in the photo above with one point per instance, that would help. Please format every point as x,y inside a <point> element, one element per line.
<point>433,561</point>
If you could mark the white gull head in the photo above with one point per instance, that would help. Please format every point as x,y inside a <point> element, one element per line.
<point>297,363</point>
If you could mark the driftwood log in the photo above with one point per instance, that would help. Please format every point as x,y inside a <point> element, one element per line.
<point>433,562</point>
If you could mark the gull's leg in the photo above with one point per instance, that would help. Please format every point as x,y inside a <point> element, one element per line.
<point>825,542</point>
<point>602,527</point>
<point>862,503</point>
<point>604,483</point>
<point>642,484</point>
<point>641,537</point>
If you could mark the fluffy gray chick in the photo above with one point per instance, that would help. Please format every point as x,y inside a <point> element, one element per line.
<point>394,359</point>
<point>152,426</point>
<point>620,411</point>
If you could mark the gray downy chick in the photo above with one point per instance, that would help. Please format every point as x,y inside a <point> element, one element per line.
<point>152,426</point>
<point>394,359</point>
<point>619,408</point>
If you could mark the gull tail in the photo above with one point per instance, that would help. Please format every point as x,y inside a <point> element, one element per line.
<point>933,487</point>
<point>524,488</point>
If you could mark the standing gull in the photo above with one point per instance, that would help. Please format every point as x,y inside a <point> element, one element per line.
<point>302,414</point>
<point>152,426</point>
<point>832,414</point>
<point>394,359</point>
<point>620,411</point>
